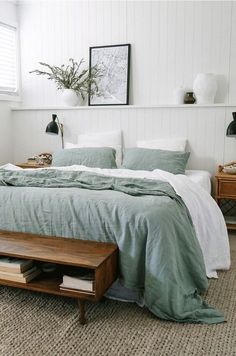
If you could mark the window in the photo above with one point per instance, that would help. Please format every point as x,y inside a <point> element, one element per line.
<point>8,60</point>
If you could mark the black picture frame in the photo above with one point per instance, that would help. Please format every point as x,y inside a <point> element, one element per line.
<point>114,83</point>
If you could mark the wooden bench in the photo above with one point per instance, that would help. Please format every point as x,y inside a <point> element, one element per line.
<point>99,257</point>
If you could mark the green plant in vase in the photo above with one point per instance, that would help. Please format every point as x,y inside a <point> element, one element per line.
<point>74,80</point>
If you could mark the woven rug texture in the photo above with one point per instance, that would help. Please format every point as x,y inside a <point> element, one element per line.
<point>39,324</point>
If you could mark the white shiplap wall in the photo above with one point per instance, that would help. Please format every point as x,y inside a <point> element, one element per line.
<point>204,127</point>
<point>6,149</point>
<point>171,42</point>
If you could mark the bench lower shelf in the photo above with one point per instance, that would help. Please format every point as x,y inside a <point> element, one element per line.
<point>98,257</point>
<point>50,285</point>
<point>230,222</point>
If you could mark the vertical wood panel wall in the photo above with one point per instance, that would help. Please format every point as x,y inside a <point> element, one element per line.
<point>204,127</point>
<point>171,42</point>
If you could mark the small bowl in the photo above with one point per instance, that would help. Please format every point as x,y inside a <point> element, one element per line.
<point>230,170</point>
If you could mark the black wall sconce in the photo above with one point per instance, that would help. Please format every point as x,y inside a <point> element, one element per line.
<point>231,129</point>
<point>54,127</point>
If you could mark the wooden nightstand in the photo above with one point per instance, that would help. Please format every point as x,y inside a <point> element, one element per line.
<point>226,190</point>
<point>32,165</point>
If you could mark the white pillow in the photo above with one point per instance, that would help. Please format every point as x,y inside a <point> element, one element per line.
<point>103,139</point>
<point>169,144</point>
<point>69,145</point>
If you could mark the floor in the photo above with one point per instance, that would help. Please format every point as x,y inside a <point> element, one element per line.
<point>232,240</point>
<point>38,324</point>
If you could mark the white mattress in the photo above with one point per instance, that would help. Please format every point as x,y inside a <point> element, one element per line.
<point>201,177</point>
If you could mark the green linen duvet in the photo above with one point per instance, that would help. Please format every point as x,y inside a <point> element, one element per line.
<point>159,253</point>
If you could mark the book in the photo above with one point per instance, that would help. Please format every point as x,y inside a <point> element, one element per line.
<point>20,277</point>
<point>14,265</point>
<point>82,281</point>
<point>62,287</point>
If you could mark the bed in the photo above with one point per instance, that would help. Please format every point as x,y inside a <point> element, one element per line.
<point>170,233</point>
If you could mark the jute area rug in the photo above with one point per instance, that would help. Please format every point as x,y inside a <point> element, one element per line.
<point>39,324</point>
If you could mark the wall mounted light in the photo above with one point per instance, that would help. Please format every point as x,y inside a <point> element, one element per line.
<point>54,127</point>
<point>231,129</point>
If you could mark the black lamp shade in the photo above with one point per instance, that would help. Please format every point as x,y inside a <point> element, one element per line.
<point>231,129</point>
<point>52,127</point>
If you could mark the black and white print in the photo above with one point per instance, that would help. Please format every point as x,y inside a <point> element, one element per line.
<point>114,62</point>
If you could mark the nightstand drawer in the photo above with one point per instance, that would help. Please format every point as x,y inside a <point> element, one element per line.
<point>227,189</point>
<point>226,196</point>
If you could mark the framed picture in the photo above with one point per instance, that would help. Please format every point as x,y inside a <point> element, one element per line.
<point>114,62</point>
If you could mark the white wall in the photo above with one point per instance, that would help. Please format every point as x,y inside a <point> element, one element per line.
<point>203,126</point>
<point>6,149</point>
<point>7,15</point>
<point>171,42</point>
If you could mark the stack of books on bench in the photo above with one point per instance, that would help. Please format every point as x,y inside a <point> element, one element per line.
<point>80,280</point>
<point>17,270</point>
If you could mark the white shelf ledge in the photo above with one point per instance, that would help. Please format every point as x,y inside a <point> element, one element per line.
<point>186,106</point>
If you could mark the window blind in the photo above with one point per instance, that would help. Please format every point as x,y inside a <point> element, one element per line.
<point>8,60</point>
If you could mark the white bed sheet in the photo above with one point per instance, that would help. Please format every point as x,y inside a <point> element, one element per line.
<point>207,218</point>
<point>201,177</point>
<point>198,176</point>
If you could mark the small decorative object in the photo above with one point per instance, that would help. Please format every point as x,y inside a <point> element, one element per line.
<point>179,96</point>
<point>53,128</point>
<point>229,168</point>
<point>75,82</point>
<point>231,129</point>
<point>31,159</point>
<point>114,62</point>
<point>44,158</point>
<point>48,267</point>
<point>39,160</point>
<point>205,87</point>
<point>189,98</point>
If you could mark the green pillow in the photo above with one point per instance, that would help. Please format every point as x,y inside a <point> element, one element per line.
<point>149,159</point>
<point>100,157</point>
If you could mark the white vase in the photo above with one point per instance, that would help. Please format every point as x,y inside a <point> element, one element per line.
<point>70,97</point>
<point>179,95</point>
<point>204,88</point>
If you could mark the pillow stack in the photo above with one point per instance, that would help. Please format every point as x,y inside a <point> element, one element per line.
<point>147,159</point>
<point>104,150</point>
<point>110,139</point>
<point>165,154</point>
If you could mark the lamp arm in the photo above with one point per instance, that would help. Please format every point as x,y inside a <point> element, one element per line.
<point>61,131</point>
